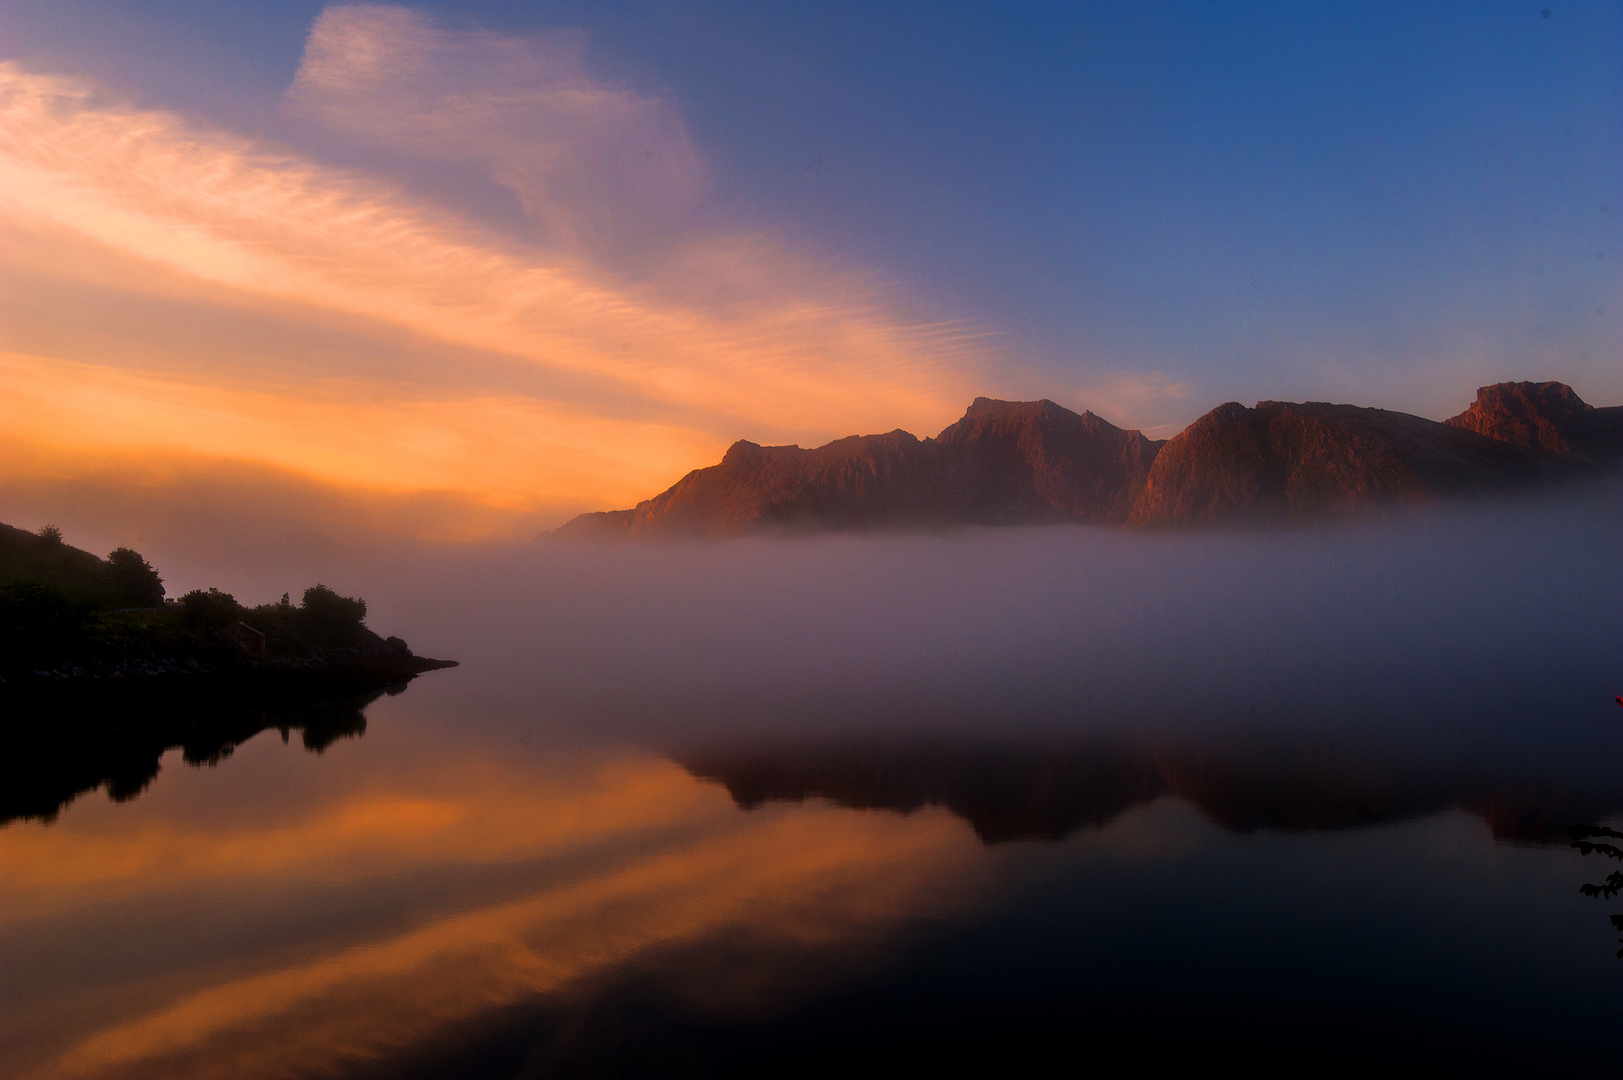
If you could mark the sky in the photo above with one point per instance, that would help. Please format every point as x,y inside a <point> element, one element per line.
<point>303,273</point>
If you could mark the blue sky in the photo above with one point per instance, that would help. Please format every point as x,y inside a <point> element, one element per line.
<point>1146,209</point>
<point>1204,186</point>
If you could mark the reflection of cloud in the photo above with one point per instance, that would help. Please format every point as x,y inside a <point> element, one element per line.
<point>601,865</point>
<point>452,813</point>
<point>535,376</point>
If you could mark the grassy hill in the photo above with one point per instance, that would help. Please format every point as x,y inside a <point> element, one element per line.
<point>123,579</point>
<point>69,616</point>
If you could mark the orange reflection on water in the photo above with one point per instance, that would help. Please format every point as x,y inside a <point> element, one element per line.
<point>468,811</point>
<point>351,927</point>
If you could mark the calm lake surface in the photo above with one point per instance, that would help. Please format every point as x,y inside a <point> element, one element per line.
<point>1330,833</point>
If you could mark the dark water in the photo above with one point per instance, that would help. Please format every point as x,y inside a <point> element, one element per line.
<point>1330,834</point>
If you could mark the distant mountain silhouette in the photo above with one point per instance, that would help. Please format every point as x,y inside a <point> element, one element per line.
<point>1283,462</point>
<point>1034,462</point>
<point>1012,462</point>
<point>1005,462</point>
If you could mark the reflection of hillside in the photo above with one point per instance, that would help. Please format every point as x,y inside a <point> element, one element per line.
<point>1045,792</point>
<point>1005,793</point>
<point>45,765</point>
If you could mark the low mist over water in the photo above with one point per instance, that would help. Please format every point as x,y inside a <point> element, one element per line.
<point>1459,620</point>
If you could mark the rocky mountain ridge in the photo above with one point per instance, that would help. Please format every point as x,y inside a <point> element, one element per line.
<point>1035,462</point>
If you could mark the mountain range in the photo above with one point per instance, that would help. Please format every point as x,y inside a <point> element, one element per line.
<point>1035,462</point>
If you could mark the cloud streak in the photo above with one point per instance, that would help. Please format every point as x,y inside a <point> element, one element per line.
<point>592,161</point>
<point>538,375</point>
<point>504,451</point>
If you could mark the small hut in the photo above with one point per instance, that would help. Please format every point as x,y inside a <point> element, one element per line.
<point>248,639</point>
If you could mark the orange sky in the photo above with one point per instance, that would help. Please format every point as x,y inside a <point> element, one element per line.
<point>180,295</point>
<point>467,285</point>
<point>179,290</point>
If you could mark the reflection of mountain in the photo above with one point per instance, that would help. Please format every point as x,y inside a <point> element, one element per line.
<point>45,765</point>
<point>1029,462</point>
<point>1045,793</point>
<point>1005,793</point>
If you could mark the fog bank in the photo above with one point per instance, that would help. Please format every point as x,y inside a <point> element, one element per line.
<point>1464,618</point>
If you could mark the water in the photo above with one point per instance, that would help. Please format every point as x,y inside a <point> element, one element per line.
<point>835,806</point>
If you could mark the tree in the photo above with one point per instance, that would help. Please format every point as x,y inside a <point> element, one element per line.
<point>51,535</point>
<point>327,607</point>
<point>330,618</point>
<point>133,580</point>
<point>211,609</point>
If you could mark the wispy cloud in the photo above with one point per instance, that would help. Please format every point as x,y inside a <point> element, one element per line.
<point>539,376</point>
<point>592,161</point>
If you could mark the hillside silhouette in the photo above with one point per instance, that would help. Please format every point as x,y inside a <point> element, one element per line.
<point>1035,462</point>
<point>77,631</point>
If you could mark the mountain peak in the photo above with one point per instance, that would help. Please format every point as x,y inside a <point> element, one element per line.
<point>1033,462</point>
<point>1548,416</point>
<point>985,406</point>
<point>1290,461</point>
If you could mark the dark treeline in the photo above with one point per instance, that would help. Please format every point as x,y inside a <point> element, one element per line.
<point>64,614</point>
<point>322,618</point>
<point>100,673</point>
